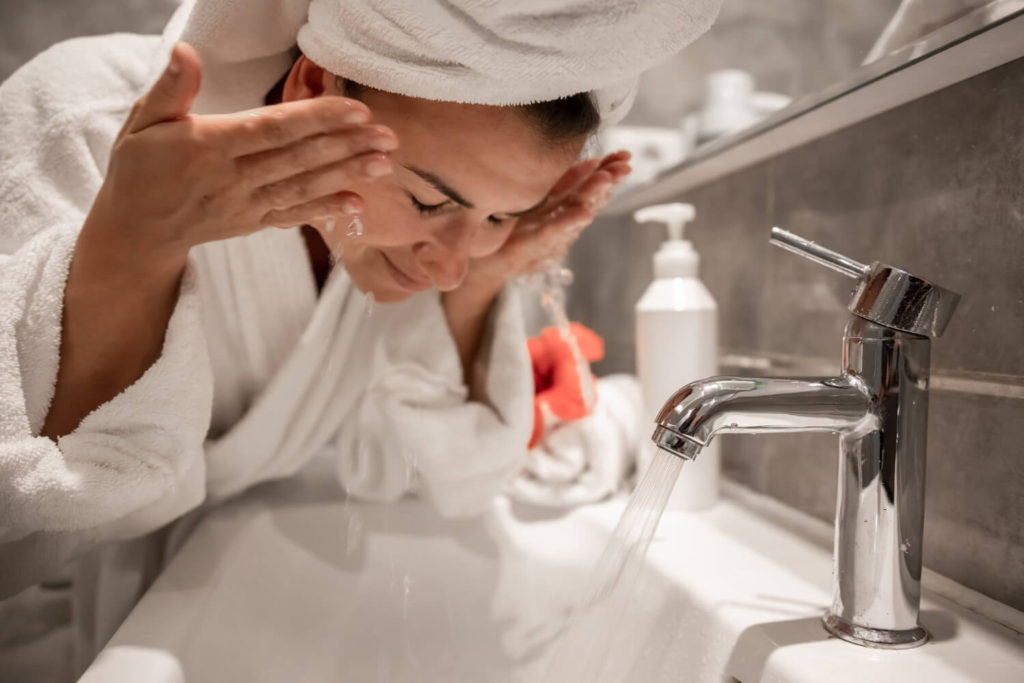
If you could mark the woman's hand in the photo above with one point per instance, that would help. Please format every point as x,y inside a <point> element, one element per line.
<point>176,180</point>
<point>544,235</point>
<point>538,239</point>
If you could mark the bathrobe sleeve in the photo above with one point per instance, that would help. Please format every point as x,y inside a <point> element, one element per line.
<point>418,431</point>
<point>135,462</point>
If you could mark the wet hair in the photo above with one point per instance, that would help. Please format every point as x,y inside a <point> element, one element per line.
<point>564,120</point>
<point>568,118</point>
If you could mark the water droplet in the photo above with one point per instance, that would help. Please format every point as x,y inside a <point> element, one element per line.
<point>337,251</point>
<point>355,228</point>
<point>905,545</point>
<point>410,467</point>
<point>370,301</point>
<point>553,300</point>
<point>354,537</point>
<point>329,227</point>
<point>406,589</point>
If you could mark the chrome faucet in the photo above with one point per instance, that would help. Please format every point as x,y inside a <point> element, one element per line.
<point>879,408</point>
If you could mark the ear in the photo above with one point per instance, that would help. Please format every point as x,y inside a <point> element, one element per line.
<point>307,79</point>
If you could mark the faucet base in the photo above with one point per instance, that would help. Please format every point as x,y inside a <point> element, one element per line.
<point>874,637</point>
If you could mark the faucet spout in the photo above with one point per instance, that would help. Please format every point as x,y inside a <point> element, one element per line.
<point>702,409</point>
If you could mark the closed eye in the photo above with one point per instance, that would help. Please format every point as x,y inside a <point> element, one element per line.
<point>432,209</point>
<point>427,209</point>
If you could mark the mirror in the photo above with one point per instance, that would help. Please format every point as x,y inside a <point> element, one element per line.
<point>768,61</point>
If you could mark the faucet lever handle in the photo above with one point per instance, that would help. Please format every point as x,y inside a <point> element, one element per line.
<point>886,295</point>
<point>819,254</point>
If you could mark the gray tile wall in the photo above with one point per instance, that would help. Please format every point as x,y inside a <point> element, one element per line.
<point>29,26</point>
<point>935,186</point>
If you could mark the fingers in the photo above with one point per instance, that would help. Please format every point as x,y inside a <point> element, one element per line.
<point>572,178</point>
<point>264,168</point>
<point>546,234</point>
<point>561,226</point>
<point>620,155</point>
<point>618,170</point>
<point>594,192</point>
<point>312,185</point>
<point>280,125</point>
<point>172,95</point>
<point>616,163</point>
<point>551,239</point>
<point>324,207</point>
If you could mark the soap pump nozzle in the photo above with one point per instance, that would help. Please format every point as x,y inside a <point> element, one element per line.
<point>676,257</point>
<point>675,216</point>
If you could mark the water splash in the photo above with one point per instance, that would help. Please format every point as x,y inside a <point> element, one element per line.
<point>581,653</point>
<point>554,281</point>
<point>354,537</point>
<point>410,459</point>
<point>370,301</point>
<point>355,228</point>
<point>406,590</point>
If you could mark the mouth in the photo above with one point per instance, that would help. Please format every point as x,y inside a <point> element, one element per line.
<point>404,281</point>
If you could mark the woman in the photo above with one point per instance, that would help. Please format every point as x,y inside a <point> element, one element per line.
<point>161,343</point>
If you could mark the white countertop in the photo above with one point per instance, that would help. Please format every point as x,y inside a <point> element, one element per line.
<point>293,582</point>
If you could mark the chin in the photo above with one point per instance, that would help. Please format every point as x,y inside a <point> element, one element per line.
<point>390,296</point>
<point>378,285</point>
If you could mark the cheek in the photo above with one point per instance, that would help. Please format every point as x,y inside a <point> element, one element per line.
<point>489,240</point>
<point>388,219</point>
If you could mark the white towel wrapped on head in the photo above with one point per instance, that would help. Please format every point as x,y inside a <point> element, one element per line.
<point>477,51</point>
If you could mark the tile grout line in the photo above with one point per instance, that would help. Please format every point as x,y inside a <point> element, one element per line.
<point>980,387</point>
<point>978,384</point>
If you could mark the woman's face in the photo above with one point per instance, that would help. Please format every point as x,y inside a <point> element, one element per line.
<point>462,174</point>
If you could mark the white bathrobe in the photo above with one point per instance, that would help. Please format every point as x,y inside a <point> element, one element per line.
<point>257,374</point>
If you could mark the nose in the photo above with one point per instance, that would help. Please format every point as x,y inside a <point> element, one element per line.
<point>445,257</point>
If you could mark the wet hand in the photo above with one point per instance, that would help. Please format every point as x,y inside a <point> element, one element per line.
<point>176,180</point>
<point>543,236</point>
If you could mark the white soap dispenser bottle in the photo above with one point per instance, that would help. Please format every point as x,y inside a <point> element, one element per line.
<point>677,343</point>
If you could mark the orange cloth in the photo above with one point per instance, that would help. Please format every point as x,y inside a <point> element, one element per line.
<point>556,380</point>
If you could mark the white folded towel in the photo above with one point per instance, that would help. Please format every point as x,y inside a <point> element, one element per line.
<point>479,51</point>
<point>589,459</point>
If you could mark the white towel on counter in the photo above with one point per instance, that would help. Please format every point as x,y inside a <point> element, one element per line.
<point>479,51</point>
<point>586,460</point>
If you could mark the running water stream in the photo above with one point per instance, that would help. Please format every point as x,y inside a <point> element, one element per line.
<point>581,654</point>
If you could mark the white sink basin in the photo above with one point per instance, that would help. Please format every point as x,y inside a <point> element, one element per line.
<point>292,582</point>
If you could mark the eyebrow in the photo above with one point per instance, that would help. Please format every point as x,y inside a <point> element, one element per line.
<point>442,187</point>
<point>447,191</point>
